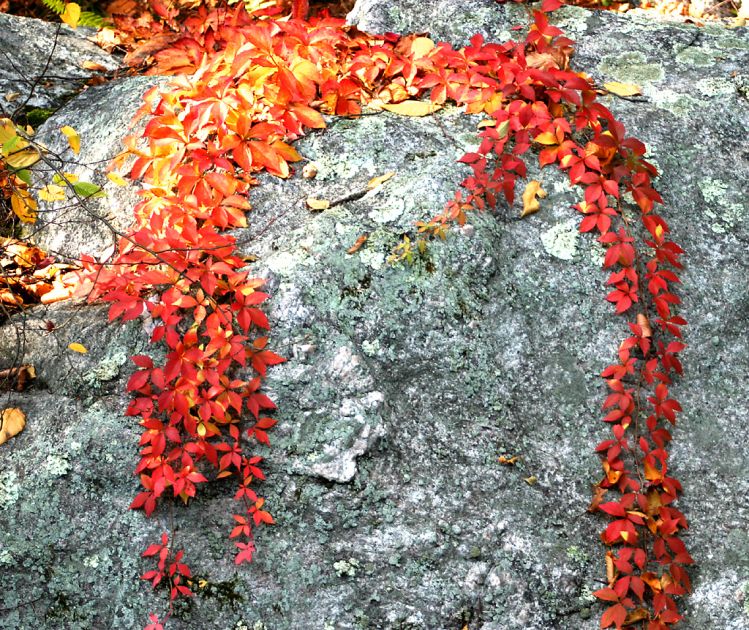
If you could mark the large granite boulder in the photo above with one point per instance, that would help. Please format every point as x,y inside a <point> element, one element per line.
<point>405,383</point>
<point>42,65</point>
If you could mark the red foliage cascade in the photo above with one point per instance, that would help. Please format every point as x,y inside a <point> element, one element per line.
<point>257,85</point>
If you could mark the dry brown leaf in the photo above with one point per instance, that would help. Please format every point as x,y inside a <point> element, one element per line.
<point>309,170</point>
<point>12,422</point>
<point>357,245</point>
<point>638,614</point>
<point>22,376</point>
<point>623,89</point>
<point>644,323</point>
<point>530,202</point>
<point>610,568</point>
<point>598,494</point>
<point>412,108</point>
<point>317,204</point>
<point>378,181</point>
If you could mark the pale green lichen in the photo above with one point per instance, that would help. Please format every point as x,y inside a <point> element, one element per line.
<point>372,258</point>
<point>346,567</point>
<point>371,348</point>
<point>9,489</point>
<point>714,86</point>
<point>56,466</point>
<point>630,67</point>
<point>672,101</point>
<point>700,57</point>
<point>561,240</point>
<point>726,214</point>
<point>389,211</point>
<point>730,42</point>
<point>572,20</point>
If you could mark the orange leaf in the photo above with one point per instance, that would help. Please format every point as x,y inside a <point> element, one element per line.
<point>530,202</point>
<point>12,422</point>
<point>357,245</point>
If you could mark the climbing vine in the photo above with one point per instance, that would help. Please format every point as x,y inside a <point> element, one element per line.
<point>259,81</point>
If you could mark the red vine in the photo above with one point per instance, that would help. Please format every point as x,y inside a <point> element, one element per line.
<point>259,82</point>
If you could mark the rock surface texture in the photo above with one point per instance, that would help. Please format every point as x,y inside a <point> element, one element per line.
<point>405,383</point>
<point>41,62</point>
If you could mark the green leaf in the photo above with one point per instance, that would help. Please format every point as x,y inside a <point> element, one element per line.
<point>87,189</point>
<point>24,175</point>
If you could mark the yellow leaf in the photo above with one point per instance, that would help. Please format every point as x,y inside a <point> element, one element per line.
<point>74,140</point>
<point>12,422</point>
<point>7,130</point>
<point>531,481</point>
<point>421,46</point>
<point>78,347</point>
<point>412,108</point>
<point>71,14</point>
<point>51,192</point>
<point>530,202</point>
<point>23,159</point>
<point>623,89</point>
<point>117,179</point>
<point>64,179</point>
<point>378,181</point>
<point>24,205</point>
<point>547,137</point>
<point>317,204</point>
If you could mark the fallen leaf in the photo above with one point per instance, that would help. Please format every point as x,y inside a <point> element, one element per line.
<point>644,323</point>
<point>610,568</point>
<point>116,179</point>
<point>412,108</point>
<point>78,347</point>
<point>317,204</point>
<point>378,181</point>
<point>21,375</point>
<point>623,89</point>
<point>309,171</point>
<point>52,192</point>
<point>71,14</point>
<point>638,614</point>
<point>12,96</point>
<point>531,481</point>
<point>530,202</point>
<point>509,461</point>
<point>12,422</point>
<point>74,140</point>
<point>24,205</point>
<point>357,245</point>
<point>421,46</point>
<point>598,494</point>
<point>93,66</point>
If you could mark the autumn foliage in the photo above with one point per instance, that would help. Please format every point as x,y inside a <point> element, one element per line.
<point>248,83</point>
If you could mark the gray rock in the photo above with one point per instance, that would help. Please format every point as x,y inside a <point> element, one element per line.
<point>102,116</point>
<point>406,382</point>
<point>46,58</point>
